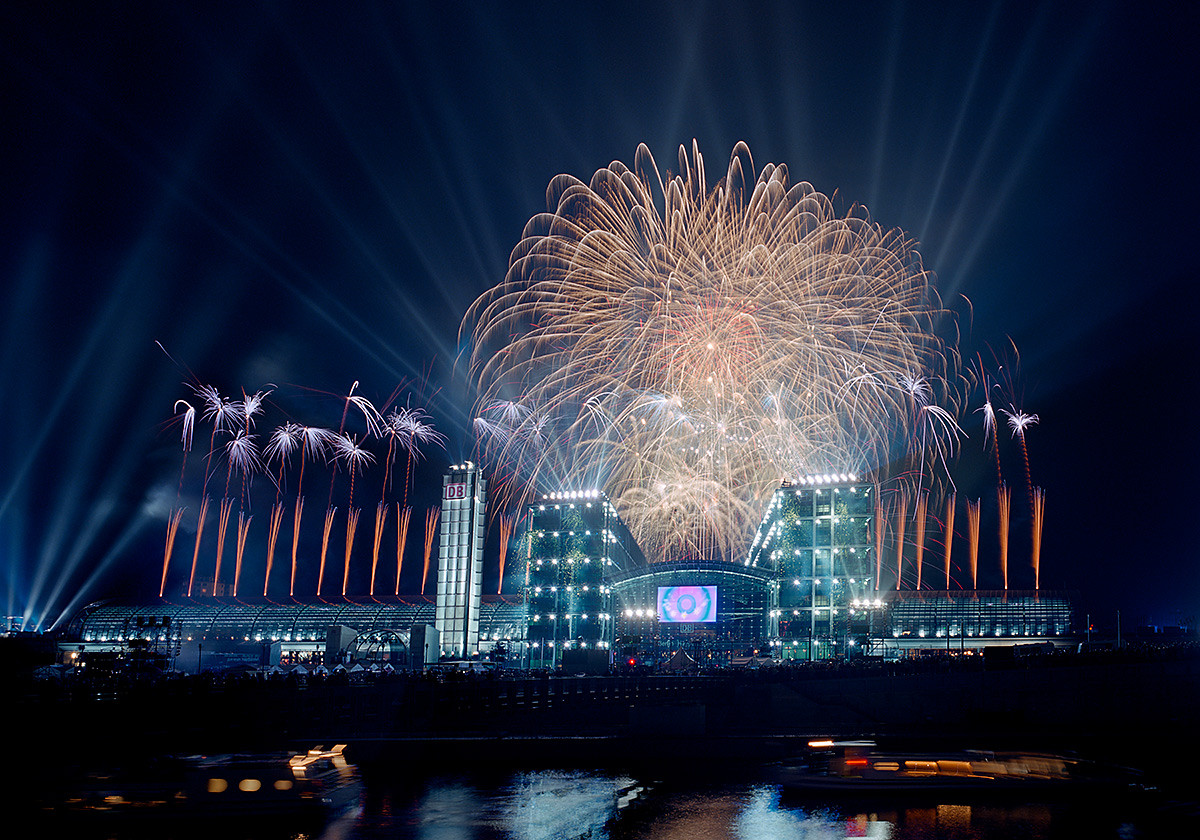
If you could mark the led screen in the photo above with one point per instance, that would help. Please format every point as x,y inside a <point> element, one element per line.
<point>687,603</point>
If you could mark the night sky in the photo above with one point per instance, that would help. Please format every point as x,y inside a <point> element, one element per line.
<point>310,195</point>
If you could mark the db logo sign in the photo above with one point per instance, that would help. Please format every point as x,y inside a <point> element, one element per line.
<point>456,491</point>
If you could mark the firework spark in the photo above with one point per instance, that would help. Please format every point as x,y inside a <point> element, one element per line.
<point>949,544</point>
<point>1039,513</point>
<point>351,527</point>
<point>243,529</point>
<point>297,513</point>
<point>1018,422</point>
<point>901,514</point>
<point>380,518</point>
<point>345,448</point>
<point>196,551</point>
<point>403,515</point>
<point>687,348</point>
<point>506,526</point>
<point>329,514</point>
<point>272,539</point>
<point>1004,503</point>
<point>222,529</point>
<point>431,520</point>
<point>878,539</point>
<point>973,540</point>
<point>919,522</point>
<point>172,529</point>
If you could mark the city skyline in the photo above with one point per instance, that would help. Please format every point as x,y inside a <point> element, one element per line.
<point>305,199</point>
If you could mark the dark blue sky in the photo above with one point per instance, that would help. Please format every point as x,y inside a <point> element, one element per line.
<point>309,195</point>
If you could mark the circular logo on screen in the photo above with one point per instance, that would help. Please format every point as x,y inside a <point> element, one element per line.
<point>687,603</point>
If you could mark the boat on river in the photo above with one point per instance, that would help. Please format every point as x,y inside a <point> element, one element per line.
<point>862,766</point>
<point>312,786</point>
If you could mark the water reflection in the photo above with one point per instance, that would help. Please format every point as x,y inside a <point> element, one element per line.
<point>763,816</point>
<point>548,804</point>
<point>567,804</point>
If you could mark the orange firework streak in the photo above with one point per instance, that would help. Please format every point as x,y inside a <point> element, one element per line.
<point>973,540</point>
<point>351,526</point>
<point>1004,498</point>
<point>272,538</point>
<point>196,550</point>
<point>380,518</point>
<point>1039,511</point>
<point>949,534</point>
<point>325,547</point>
<point>506,525</point>
<point>878,541</point>
<point>403,515</point>
<point>222,528</point>
<point>431,520</point>
<point>901,513</point>
<point>243,529</point>
<point>172,528</point>
<point>919,516</point>
<point>296,514</point>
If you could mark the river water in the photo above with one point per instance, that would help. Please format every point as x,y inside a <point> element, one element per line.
<point>545,804</point>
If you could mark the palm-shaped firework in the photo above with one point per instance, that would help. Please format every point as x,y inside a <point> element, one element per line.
<point>356,458</point>
<point>232,435</point>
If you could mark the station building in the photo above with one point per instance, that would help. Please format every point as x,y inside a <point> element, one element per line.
<point>579,590</point>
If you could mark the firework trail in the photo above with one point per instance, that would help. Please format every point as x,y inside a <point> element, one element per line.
<point>242,530</point>
<point>347,449</point>
<point>242,454</point>
<point>403,515</point>
<point>222,528</point>
<point>973,540</point>
<point>284,442</point>
<point>506,526</point>
<point>688,347</point>
<point>172,529</point>
<point>1039,512</point>
<point>989,417</point>
<point>380,517</point>
<point>272,538</point>
<point>325,547</point>
<point>901,515</point>
<point>878,538</point>
<point>189,428</point>
<point>196,551</point>
<point>431,520</point>
<point>1018,422</point>
<point>1004,502</point>
<point>315,442</point>
<point>252,406</point>
<point>225,415</point>
<point>374,429</point>
<point>919,517</point>
<point>296,515</point>
<point>351,525</point>
<point>949,535</point>
<point>410,429</point>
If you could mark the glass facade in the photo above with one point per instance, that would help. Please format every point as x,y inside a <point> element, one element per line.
<point>978,615</point>
<point>296,626</point>
<point>744,600</point>
<point>460,560</point>
<point>816,540</point>
<point>573,543</point>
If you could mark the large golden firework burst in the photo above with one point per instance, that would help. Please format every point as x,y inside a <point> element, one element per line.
<point>685,349</point>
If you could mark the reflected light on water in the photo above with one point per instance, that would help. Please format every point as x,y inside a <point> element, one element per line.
<point>764,817</point>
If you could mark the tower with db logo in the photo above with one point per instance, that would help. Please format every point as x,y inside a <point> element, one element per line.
<point>460,560</point>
